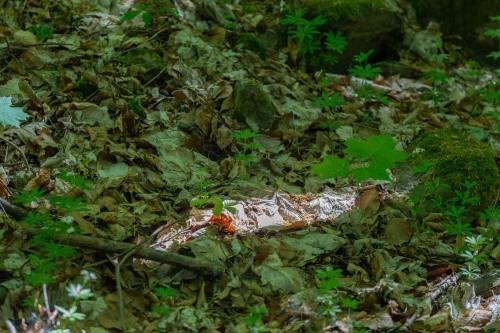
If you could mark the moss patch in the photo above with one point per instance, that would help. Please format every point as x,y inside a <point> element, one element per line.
<point>250,42</point>
<point>345,10</point>
<point>85,88</point>
<point>148,59</point>
<point>457,157</point>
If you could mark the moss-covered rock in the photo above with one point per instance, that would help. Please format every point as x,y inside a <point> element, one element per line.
<point>456,157</point>
<point>253,105</point>
<point>346,10</point>
<point>250,42</point>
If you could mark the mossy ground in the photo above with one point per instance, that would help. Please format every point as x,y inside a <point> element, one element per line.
<point>149,59</point>
<point>457,157</point>
<point>250,42</point>
<point>85,88</point>
<point>345,10</point>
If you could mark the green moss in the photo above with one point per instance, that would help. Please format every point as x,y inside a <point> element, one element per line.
<point>85,88</point>
<point>250,42</point>
<point>148,59</point>
<point>457,157</point>
<point>346,10</point>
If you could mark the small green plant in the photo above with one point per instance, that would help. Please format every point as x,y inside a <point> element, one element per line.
<point>304,31</point>
<point>203,199</point>
<point>474,259</point>
<point>146,13</point>
<point>164,294</point>
<point>328,279</point>
<point>329,125</point>
<point>247,145</point>
<point>51,225</point>
<point>331,102</point>
<point>491,94</point>
<point>435,92</point>
<point>436,57</point>
<point>136,106</point>
<point>78,292</point>
<point>41,32</point>
<point>377,153</point>
<point>219,205</point>
<point>494,33</point>
<point>142,10</point>
<point>365,70</point>
<point>254,320</point>
<point>473,69</point>
<point>436,77</point>
<point>328,302</point>
<point>455,221</point>
<point>492,214</point>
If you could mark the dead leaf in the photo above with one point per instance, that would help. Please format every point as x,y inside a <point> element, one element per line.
<point>398,231</point>
<point>368,201</point>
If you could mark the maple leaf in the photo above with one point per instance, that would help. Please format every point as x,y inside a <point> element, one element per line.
<point>332,167</point>
<point>10,115</point>
<point>380,148</point>
<point>373,171</point>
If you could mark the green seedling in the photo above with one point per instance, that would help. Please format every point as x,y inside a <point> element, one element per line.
<point>49,226</point>
<point>330,102</point>
<point>41,32</point>
<point>146,13</point>
<point>329,125</point>
<point>247,145</point>
<point>494,33</point>
<point>164,294</point>
<point>254,320</point>
<point>365,70</point>
<point>308,37</point>
<point>219,205</point>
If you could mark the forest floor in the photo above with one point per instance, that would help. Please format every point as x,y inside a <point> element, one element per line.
<point>139,200</point>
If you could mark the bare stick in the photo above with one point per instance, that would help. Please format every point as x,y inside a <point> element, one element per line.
<point>110,246</point>
<point>19,149</point>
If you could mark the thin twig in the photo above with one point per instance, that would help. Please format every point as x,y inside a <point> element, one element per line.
<point>119,285</point>
<point>19,149</point>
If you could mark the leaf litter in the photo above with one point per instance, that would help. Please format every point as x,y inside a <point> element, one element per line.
<point>146,169</point>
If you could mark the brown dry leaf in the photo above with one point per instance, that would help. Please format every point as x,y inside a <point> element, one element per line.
<point>398,231</point>
<point>368,201</point>
<point>432,119</point>
<point>224,90</point>
<point>293,52</point>
<point>222,137</point>
<point>91,76</point>
<point>41,180</point>
<point>25,87</point>
<point>180,95</point>
<point>24,38</point>
<point>227,104</point>
<point>98,136</point>
<point>204,117</point>
<point>216,36</point>
<point>43,145</point>
<point>36,58</point>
